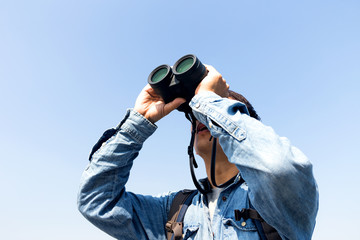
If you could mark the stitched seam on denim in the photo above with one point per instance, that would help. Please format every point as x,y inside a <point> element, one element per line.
<point>143,119</point>
<point>248,227</point>
<point>135,134</point>
<point>223,120</point>
<point>124,119</point>
<point>118,127</point>
<point>103,144</point>
<point>210,113</point>
<point>211,98</point>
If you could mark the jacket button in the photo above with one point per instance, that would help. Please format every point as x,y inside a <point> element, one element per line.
<point>224,198</point>
<point>243,224</point>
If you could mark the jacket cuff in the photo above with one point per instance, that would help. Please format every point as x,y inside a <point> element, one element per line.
<point>137,126</point>
<point>219,113</point>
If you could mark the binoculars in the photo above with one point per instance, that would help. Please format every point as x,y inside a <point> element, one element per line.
<point>180,80</point>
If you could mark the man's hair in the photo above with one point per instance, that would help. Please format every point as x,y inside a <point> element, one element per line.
<point>241,98</point>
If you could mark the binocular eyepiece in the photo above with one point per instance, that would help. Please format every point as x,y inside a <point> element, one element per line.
<point>179,81</point>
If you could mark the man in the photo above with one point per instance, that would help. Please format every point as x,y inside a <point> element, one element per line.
<point>279,182</point>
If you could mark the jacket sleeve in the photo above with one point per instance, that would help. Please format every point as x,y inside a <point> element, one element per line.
<point>281,184</point>
<point>103,199</point>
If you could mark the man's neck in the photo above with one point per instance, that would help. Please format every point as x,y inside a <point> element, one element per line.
<point>224,170</point>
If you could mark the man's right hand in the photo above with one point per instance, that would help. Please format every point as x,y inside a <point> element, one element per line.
<point>213,82</point>
<point>152,106</point>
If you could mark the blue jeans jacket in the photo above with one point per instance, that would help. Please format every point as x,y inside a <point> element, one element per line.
<point>279,181</point>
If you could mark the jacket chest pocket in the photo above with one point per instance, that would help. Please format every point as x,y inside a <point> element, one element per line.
<point>240,229</point>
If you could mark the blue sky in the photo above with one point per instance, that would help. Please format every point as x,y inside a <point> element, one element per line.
<point>70,69</point>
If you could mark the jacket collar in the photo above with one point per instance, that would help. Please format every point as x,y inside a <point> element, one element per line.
<point>233,181</point>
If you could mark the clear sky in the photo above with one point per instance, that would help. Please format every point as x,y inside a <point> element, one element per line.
<point>70,69</point>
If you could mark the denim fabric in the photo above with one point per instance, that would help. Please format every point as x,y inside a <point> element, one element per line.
<point>279,181</point>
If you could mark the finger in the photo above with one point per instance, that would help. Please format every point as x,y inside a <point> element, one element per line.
<point>173,105</point>
<point>227,94</point>
<point>212,72</point>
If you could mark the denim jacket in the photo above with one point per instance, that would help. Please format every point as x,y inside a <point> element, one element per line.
<point>279,181</point>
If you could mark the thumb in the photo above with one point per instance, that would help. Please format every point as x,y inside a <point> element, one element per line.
<point>169,107</point>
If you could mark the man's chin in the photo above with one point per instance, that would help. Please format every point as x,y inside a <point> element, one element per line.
<point>202,144</point>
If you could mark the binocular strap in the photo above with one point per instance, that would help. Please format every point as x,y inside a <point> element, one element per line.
<point>190,116</point>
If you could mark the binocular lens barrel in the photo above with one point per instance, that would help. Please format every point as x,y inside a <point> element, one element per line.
<point>159,75</point>
<point>184,65</point>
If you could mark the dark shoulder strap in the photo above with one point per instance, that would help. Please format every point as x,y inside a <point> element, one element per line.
<point>265,231</point>
<point>179,205</point>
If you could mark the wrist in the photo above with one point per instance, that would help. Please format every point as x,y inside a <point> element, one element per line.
<point>146,115</point>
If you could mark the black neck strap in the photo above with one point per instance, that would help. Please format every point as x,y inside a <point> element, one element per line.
<point>212,169</point>
<point>192,119</point>
<point>190,116</point>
